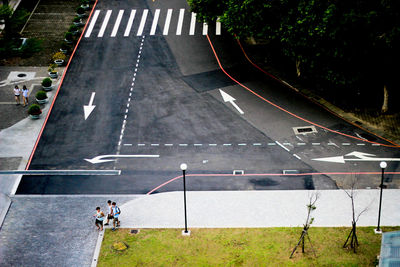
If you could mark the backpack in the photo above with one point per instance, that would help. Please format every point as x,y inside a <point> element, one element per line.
<point>118,210</point>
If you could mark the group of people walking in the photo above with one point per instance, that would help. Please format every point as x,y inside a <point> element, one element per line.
<point>113,212</point>
<point>17,93</point>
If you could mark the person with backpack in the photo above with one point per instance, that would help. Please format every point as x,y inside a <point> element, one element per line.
<point>99,219</point>
<point>116,212</point>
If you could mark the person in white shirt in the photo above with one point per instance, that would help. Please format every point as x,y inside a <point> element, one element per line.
<point>110,212</point>
<point>25,92</point>
<point>17,93</point>
<point>99,219</point>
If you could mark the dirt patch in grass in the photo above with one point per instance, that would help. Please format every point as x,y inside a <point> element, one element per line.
<point>239,247</point>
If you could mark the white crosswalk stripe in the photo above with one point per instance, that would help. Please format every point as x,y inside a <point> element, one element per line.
<point>167,22</point>
<point>130,22</point>
<point>142,22</point>
<point>117,22</point>
<point>105,22</point>
<point>155,21</point>
<point>170,21</point>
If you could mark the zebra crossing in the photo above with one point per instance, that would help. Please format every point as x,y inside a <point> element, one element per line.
<point>140,22</point>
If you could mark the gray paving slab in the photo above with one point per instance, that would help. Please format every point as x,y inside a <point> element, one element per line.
<point>221,209</point>
<point>51,231</point>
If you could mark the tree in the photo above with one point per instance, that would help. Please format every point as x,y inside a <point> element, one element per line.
<point>352,239</point>
<point>310,207</point>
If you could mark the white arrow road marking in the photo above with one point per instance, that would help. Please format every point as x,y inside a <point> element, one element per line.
<point>228,98</point>
<point>87,109</point>
<point>360,156</point>
<point>99,159</point>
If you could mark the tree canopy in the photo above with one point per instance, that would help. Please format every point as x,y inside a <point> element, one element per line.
<point>342,43</point>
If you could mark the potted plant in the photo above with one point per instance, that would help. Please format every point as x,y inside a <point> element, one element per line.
<point>41,97</point>
<point>80,12</point>
<point>69,37</point>
<point>59,58</point>
<point>74,29</point>
<point>77,21</point>
<point>34,111</point>
<point>52,71</point>
<point>85,4</point>
<point>46,84</point>
<point>65,48</point>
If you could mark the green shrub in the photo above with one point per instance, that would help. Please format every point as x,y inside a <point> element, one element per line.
<point>41,95</point>
<point>80,10</point>
<point>34,109</point>
<point>31,46</point>
<point>68,36</point>
<point>77,19</point>
<point>73,28</point>
<point>46,82</point>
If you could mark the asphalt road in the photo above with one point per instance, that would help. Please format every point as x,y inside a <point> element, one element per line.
<point>157,92</point>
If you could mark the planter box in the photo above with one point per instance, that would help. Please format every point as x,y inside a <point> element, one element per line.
<point>59,62</point>
<point>47,88</point>
<point>34,117</point>
<point>43,101</point>
<point>53,75</point>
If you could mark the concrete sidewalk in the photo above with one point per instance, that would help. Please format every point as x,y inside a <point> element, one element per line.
<point>219,209</point>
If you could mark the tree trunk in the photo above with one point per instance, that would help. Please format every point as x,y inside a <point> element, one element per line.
<point>385,105</point>
<point>298,67</point>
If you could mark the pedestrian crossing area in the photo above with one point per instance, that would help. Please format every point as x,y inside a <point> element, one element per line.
<point>138,22</point>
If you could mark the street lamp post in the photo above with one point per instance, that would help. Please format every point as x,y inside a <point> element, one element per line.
<point>183,168</point>
<point>383,165</point>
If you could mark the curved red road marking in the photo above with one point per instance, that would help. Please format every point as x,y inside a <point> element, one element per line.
<point>266,174</point>
<point>315,102</point>
<point>58,89</point>
<point>284,110</point>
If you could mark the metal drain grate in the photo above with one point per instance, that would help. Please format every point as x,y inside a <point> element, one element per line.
<point>290,171</point>
<point>305,130</point>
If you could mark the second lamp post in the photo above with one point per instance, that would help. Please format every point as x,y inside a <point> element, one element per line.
<point>183,168</point>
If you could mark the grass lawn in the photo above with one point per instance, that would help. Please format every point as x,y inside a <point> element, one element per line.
<point>242,246</point>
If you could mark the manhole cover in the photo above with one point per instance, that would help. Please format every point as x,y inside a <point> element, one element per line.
<point>21,75</point>
<point>304,130</point>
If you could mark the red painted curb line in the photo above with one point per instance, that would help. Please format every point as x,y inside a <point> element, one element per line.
<point>58,89</point>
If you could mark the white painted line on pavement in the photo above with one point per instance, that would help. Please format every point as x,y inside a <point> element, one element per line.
<point>345,144</point>
<point>198,144</point>
<point>141,144</point>
<point>92,23</point>
<point>130,22</point>
<point>242,144</point>
<point>117,22</point>
<point>376,144</point>
<point>167,22</point>
<point>192,24</point>
<point>332,144</point>
<point>257,144</point>
<point>212,144</point>
<point>183,144</point>
<point>227,144</point>
<point>315,144</point>
<point>271,144</point>
<point>127,144</point>
<point>282,146</point>
<point>301,144</point>
<point>287,144</point>
<point>126,111</point>
<point>180,21</point>
<point>168,144</point>
<point>155,21</point>
<point>105,22</point>
<point>361,144</point>
<point>154,144</point>
<point>296,156</point>
<point>205,28</point>
<point>142,22</point>
<point>97,248</point>
<point>218,27</point>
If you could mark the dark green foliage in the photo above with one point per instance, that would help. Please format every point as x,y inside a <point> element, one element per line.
<point>69,36</point>
<point>31,47</point>
<point>41,95</point>
<point>34,109</point>
<point>80,10</point>
<point>46,82</point>
<point>73,28</point>
<point>349,46</point>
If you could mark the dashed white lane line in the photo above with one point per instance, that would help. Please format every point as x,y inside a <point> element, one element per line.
<point>155,21</point>
<point>154,144</point>
<point>105,22</point>
<point>130,22</point>
<point>212,144</point>
<point>316,144</point>
<point>142,22</point>
<point>117,22</point>
<point>296,156</point>
<point>271,144</point>
<point>376,144</point>
<point>183,144</point>
<point>257,144</point>
<point>192,24</point>
<point>180,21</point>
<point>197,144</point>
<point>141,144</point>
<point>167,22</point>
<point>345,144</point>
<point>227,144</point>
<point>301,144</point>
<point>127,144</point>
<point>360,144</point>
<point>242,144</point>
<point>168,144</point>
<point>92,23</point>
